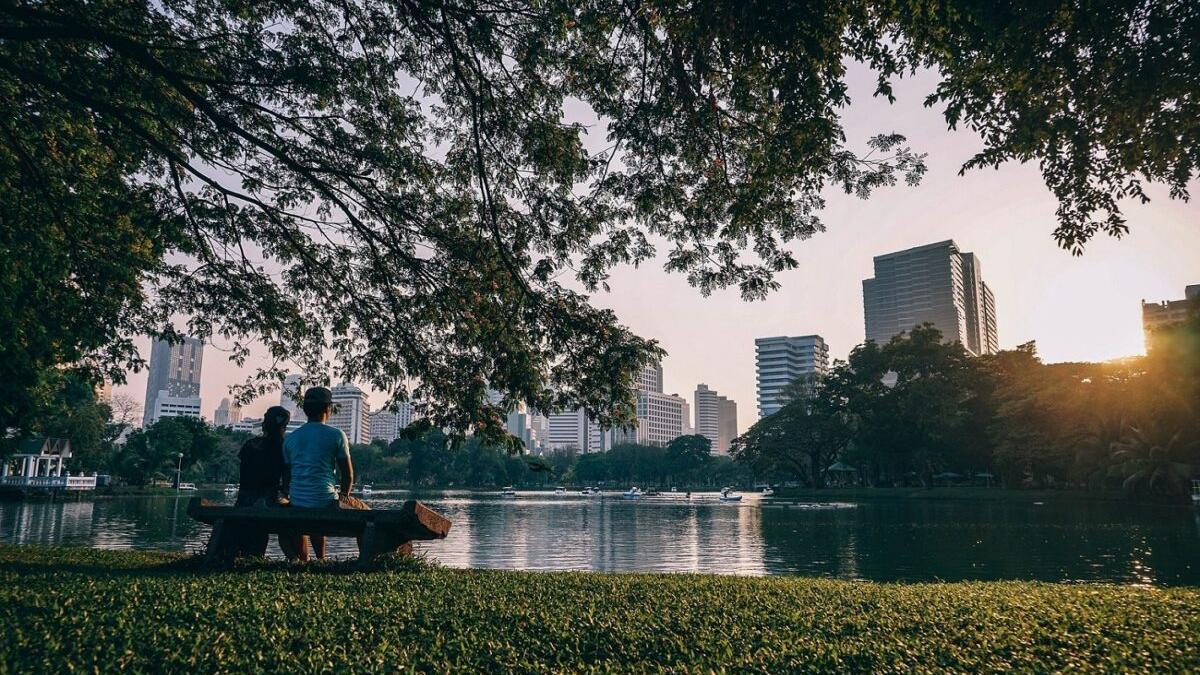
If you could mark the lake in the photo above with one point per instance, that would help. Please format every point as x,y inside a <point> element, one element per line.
<point>896,540</point>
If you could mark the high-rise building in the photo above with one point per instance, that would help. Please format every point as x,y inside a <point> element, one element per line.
<point>386,424</point>
<point>573,429</point>
<point>729,427</point>
<point>173,382</point>
<point>1156,315</point>
<point>716,418</point>
<point>661,417</point>
<point>782,360</point>
<point>937,284</point>
<point>290,395</point>
<point>227,414</point>
<point>352,413</point>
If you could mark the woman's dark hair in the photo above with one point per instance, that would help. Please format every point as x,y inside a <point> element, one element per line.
<point>276,417</point>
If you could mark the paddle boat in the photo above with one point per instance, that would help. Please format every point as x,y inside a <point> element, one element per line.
<point>768,492</point>
<point>590,492</point>
<point>366,490</point>
<point>1196,493</point>
<point>188,486</point>
<point>633,493</point>
<point>508,492</point>
<point>560,490</point>
<point>728,495</point>
<point>231,489</point>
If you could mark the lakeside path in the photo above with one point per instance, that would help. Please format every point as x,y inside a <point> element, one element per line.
<point>65,609</point>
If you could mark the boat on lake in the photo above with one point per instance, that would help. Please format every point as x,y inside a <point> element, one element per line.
<point>188,486</point>
<point>366,490</point>
<point>633,493</point>
<point>508,491</point>
<point>560,490</point>
<point>1196,493</point>
<point>231,489</point>
<point>768,492</point>
<point>728,495</point>
<point>590,491</point>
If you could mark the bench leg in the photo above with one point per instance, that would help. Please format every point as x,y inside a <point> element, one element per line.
<point>216,543</point>
<point>367,544</point>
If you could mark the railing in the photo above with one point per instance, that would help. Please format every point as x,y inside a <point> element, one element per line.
<point>81,482</point>
<point>60,482</point>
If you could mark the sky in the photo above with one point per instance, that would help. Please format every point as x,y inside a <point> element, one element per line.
<point>1077,308</point>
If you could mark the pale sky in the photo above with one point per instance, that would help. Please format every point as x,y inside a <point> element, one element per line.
<point>1077,308</point>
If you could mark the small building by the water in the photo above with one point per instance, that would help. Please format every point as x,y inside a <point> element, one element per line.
<point>40,464</point>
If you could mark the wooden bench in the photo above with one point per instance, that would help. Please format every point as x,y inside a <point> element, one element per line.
<point>379,531</point>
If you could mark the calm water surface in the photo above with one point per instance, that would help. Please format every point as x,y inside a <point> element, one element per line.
<point>877,541</point>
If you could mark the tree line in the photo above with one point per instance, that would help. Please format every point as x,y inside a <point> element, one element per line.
<point>917,408</point>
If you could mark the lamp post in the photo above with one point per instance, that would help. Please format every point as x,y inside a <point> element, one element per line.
<point>178,469</point>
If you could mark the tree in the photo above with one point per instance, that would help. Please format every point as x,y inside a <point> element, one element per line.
<point>802,438</point>
<point>687,456</point>
<point>1151,461</point>
<point>395,184</point>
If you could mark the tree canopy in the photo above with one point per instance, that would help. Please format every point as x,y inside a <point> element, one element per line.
<point>394,189</point>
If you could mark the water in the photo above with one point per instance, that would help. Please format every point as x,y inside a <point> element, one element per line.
<point>901,540</point>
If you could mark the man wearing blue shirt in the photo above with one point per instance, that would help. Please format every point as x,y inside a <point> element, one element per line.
<point>317,472</point>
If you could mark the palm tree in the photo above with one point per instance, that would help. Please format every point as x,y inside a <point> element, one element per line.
<point>1148,459</point>
<point>1094,449</point>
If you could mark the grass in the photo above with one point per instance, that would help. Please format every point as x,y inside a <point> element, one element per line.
<point>84,610</point>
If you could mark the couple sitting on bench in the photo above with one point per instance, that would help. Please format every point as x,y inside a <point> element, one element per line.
<point>309,469</point>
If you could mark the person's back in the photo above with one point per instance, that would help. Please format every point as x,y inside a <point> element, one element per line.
<point>312,452</point>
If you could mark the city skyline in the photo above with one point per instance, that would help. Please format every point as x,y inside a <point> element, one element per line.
<point>1077,308</point>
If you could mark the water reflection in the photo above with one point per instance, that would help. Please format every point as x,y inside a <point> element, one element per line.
<point>901,540</point>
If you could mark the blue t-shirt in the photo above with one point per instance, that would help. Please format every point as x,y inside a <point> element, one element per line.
<point>312,452</point>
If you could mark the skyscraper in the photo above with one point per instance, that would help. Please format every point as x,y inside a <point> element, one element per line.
<point>780,361</point>
<point>661,417</point>
<point>353,413</point>
<point>290,394</point>
<point>386,424</point>
<point>227,414</point>
<point>935,283</point>
<point>173,382</point>
<point>716,419</point>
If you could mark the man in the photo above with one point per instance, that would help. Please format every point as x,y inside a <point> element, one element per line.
<point>317,472</point>
<point>260,477</point>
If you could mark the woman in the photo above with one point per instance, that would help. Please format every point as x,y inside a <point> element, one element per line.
<point>261,461</point>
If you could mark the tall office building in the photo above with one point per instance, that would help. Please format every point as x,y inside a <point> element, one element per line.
<point>290,395</point>
<point>1156,315</point>
<point>716,419</point>
<point>173,382</point>
<point>661,417</point>
<point>780,361</point>
<point>729,428</point>
<point>573,429</point>
<point>935,283</point>
<point>353,413</point>
<point>386,424</point>
<point>227,414</point>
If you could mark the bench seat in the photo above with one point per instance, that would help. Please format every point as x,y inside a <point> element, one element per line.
<point>379,531</point>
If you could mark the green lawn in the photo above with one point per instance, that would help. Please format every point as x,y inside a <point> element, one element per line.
<point>82,610</point>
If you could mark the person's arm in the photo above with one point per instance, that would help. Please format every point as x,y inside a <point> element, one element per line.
<point>285,475</point>
<point>344,466</point>
<point>345,475</point>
